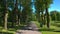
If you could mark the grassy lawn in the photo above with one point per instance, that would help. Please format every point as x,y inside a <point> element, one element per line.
<point>3,31</point>
<point>54,29</point>
<point>9,31</point>
<point>49,32</point>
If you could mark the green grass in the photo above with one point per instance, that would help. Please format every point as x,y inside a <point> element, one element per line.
<point>54,29</point>
<point>3,31</point>
<point>38,24</point>
<point>49,32</point>
<point>9,31</point>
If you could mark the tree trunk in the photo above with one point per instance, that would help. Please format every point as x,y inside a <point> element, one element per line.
<point>42,19</point>
<point>39,18</point>
<point>13,18</point>
<point>5,14</point>
<point>19,18</point>
<point>47,14</point>
<point>19,15</point>
<point>5,20</point>
<point>19,21</point>
<point>26,21</point>
<point>16,12</point>
<point>38,15</point>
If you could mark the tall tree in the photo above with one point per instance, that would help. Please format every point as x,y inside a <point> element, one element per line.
<point>11,5</point>
<point>5,13</point>
<point>16,11</point>
<point>39,6</point>
<point>47,4</point>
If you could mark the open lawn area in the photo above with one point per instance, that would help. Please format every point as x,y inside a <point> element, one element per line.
<point>54,29</point>
<point>49,32</point>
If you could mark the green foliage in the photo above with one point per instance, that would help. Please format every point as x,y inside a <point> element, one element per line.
<point>25,13</point>
<point>55,15</point>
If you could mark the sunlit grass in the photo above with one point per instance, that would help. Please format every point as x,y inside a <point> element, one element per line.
<point>49,32</point>
<point>3,31</point>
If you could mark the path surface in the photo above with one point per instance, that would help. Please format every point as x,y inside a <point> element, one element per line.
<point>31,28</point>
<point>27,32</point>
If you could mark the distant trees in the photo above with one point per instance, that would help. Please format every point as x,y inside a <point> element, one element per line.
<point>55,15</point>
<point>26,11</point>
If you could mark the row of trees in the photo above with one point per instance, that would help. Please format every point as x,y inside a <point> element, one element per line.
<point>41,7</point>
<point>20,11</point>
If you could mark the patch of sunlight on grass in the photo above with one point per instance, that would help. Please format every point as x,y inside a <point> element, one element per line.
<point>54,27</point>
<point>0,27</point>
<point>11,31</point>
<point>3,30</point>
<point>38,24</point>
<point>49,32</point>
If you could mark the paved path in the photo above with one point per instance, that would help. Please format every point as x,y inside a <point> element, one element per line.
<point>27,32</point>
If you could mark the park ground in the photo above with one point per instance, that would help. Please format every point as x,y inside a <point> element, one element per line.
<point>54,29</point>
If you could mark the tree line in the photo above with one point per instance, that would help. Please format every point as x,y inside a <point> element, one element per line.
<point>20,11</point>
